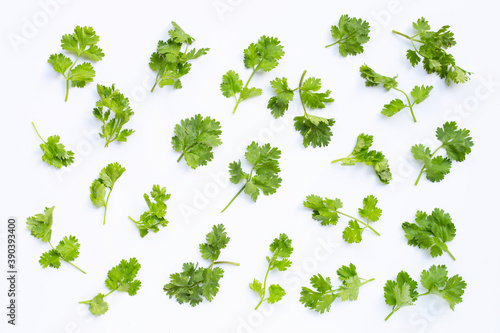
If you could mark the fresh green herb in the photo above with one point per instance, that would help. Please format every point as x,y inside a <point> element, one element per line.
<point>281,249</point>
<point>403,291</point>
<point>195,137</point>
<point>68,248</point>
<point>114,101</point>
<point>107,178</point>
<point>195,283</point>
<point>362,154</point>
<point>350,34</point>
<point>54,153</point>
<point>432,52</point>
<point>419,94</point>
<point>431,232</point>
<point>155,217</point>
<point>81,43</point>
<point>322,297</point>
<point>456,142</point>
<point>327,212</point>
<point>120,278</point>
<point>263,55</point>
<point>265,165</point>
<point>170,61</point>
<point>316,131</point>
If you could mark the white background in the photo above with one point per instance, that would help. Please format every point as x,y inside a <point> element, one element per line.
<point>129,31</point>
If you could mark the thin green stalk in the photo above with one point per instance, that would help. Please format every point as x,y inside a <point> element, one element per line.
<point>156,82</point>
<point>230,202</point>
<point>180,157</point>
<point>60,256</point>
<point>423,167</point>
<point>390,314</point>
<point>87,302</point>
<point>340,159</point>
<point>106,206</point>
<point>238,101</point>
<point>409,103</point>
<point>32,123</point>
<point>225,262</point>
<point>340,40</point>
<point>300,93</point>
<point>67,77</point>
<point>451,255</point>
<point>262,299</point>
<point>365,224</point>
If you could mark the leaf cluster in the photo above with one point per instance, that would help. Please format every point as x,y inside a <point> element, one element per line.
<point>54,152</point>
<point>112,100</point>
<point>171,61</point>
<point>350,34</point>
<point>154,217</point>
<point>107,179</point>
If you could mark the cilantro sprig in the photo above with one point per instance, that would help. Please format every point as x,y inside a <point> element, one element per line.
<point>54,153</point>
<point>195,137</point>
<point>107,179</point>
<point>170,61</point>
<point>327,212</point>
<point>362,154</point>
<point>432,52</point>
<point>152,219</point>
<point>431,232</point>
<point>195,283</point>
<point>281,249</point>
<point>350,34</point>
<point>263,55</point>
<point>321,299</point>
<point>83,44</point>
<point>120,278</point>
<point>265,165</point>
<point>316,131</point>
<point>68,248</point>
<point>456,142</point>
<point>113,100</point>
<point>403,291</point>
<point>419,94</point>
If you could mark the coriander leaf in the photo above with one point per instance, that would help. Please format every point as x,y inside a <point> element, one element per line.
<point>284,95</point>
<point>195,137</point>
<point>401,292</point>
<point>311,98</point>
<point>40,225</point>
<point>436,281</point>
<point>68,248</point>
<point>152,219</point>
<point>112,100</point>
<point>257,287</point>
<point>263,55</point>
<point>370,211</point>
<point>170,61</point>
<point>120,278</point>
<point>217,239</point>
<point>352,233</point>
<point>263,176</point>
<point>50,259</point>
<point>324,210</point>
<point>83,44</point>
<point>231,84</point>
<point>456,142</point>
<point>431,231</point>
<point>195,283</point>
<point>316,131</point>
<point>107,178</point>
<point>321,299</point>
<point>419,94</point>
<point>362,154</point>
<point>98,306</point>
<point>393,107</point>
<point>373,79</point>
<point>54,153</point>
<point>350,34</point>
<point>432,52</point>
<point>276,293</point>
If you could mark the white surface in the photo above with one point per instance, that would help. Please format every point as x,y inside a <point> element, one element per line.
<point>129,31</point>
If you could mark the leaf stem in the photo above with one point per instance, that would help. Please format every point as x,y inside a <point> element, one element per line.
<point>225,262</point>
<point>238,101</point>
<point>68,78</point>
<point>180,157</point>
<point>32,123</point>
<point>365,224</point>
<point>262,298</point>
<point>300,93</point>
<point>156,82</point>
<point>106,206</point>
<point>403,35</point>
<point>339,159</point>
<point>390,314</point>
<point>87,302</point>
<point>230,202</point>
<point>409,103</point>
<point>451,255</point>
